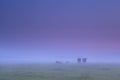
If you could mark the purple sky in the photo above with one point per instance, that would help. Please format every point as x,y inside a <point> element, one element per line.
<point>49,30</point>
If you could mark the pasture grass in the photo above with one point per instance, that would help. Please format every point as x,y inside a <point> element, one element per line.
<point>60,72</point>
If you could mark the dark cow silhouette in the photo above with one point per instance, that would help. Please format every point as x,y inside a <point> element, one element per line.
<point>84,60</point>
<point>58,62</point>
<point>79,60</point>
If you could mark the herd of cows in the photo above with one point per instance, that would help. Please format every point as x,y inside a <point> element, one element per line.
<point>79,60</point>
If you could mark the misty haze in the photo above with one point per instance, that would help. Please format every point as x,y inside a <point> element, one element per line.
<point>59,40</point>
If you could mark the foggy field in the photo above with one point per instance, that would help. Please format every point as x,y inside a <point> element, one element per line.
<point>60,72</point>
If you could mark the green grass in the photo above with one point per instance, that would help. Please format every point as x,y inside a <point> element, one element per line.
<point>60,72</point>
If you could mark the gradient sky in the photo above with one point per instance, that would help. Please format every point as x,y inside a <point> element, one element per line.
<point>49,30</point>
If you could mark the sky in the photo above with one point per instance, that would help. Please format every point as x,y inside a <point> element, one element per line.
<point>50,30</point>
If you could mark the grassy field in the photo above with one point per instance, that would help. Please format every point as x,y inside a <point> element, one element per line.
<point>59,72</point>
